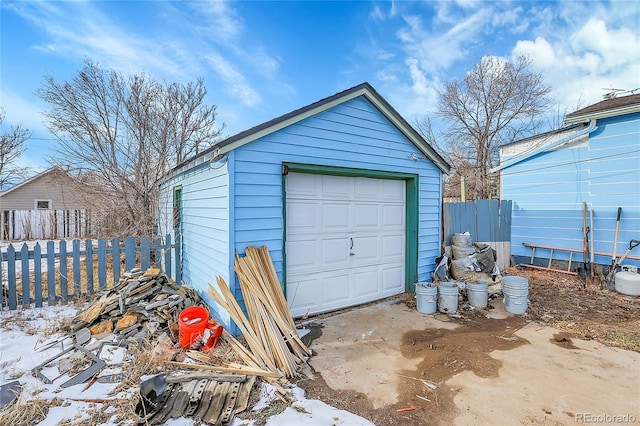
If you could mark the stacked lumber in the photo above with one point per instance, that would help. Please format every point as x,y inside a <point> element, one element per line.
<point>268,328</point>
<point>138,298</point>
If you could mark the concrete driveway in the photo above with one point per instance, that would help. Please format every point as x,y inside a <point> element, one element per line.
<point>393,365</point>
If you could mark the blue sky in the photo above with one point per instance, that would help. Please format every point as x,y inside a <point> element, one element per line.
<point>262,59</point>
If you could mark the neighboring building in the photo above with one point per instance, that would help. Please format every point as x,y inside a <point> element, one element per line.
<point>48,205</point>
<point>594,158</point>
<point>345,194</point>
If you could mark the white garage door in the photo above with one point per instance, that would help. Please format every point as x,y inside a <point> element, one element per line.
<point>345,241</point>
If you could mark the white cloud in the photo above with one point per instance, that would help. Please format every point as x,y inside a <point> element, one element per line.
<point>235,81</point>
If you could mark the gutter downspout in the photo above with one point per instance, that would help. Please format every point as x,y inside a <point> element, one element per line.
<point>515,160</point>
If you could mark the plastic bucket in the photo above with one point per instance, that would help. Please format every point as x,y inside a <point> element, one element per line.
<point>447,297</point>
<point>426,298</point>
<point>191,325</point>
<point>477,294</point>
<point>516,294</point>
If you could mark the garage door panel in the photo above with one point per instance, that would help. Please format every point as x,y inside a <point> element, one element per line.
<point>393,215</point>
<point>365,248</point>
<point>303,296</point>
<point>366,189</point>
<point>333,186</point>
<point>336,289</point>
<point>335,216</point>
<point>367,284</point>
<point>302,215</point>
<point>392,280</point>
<point>335,252</point>
<point>303,186</point>
<point>393,190</point>
<point>392,245</point>
<point>366,215</point>
<point>302,253</point>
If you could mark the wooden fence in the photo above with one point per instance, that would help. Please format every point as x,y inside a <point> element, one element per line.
<point>61,270</point>
<point>488,221</point>
<point>19,225</point>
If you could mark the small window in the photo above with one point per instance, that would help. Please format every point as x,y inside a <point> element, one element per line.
<point>43,204</point>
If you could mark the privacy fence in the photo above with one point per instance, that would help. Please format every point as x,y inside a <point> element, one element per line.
<point>57,271</point>
<point>17,225</point>
<point>488,221</point>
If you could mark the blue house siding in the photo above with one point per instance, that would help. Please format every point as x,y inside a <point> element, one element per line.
<point>548,190</point>
<point>352,135</point>
<point>205,227</point>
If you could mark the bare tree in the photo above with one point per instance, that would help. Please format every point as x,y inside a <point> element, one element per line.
<point>11,148</point>
<point>124,133</point>
<point>497,102</point>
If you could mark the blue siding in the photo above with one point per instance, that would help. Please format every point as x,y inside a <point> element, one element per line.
<point>353,134</point>
<point>548,190</point>
<point>205,227</point>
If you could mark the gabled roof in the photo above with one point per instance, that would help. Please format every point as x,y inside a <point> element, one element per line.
<point>31,179</point>
<point>607,108</point>
<point>364,89</point>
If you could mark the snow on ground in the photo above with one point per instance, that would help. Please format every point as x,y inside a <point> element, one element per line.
<point>26,333</point>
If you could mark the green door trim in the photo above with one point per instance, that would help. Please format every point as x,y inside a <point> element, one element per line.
<point>411,211</point>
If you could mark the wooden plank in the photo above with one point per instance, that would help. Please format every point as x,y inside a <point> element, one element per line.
<point>88,252</point>
<point>62,268</point>
<point>482,221</point>
<point>77,289</point>
<point>24,259</point>
<point>129,253</point>
<point>37,275</point>
<point>51,273</point>
<point>102,263</point>
<point>11,275</point>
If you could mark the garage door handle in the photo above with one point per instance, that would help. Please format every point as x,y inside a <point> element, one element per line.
<point>351,243</point>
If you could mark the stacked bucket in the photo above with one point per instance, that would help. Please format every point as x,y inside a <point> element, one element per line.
<point>516,294</point>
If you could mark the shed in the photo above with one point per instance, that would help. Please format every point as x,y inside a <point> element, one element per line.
<point>593,158</point>
<point>344,193</point>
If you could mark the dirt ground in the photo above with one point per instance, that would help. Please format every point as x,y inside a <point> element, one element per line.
<point>467,368</point>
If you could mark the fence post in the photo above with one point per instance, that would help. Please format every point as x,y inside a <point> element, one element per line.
<point>51,273</point>
<point>64,289</point>
<point>37,274</point>
<point>177,260</point>
<point>24,259</point>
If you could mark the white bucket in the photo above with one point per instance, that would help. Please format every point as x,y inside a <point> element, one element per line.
<point>477,294</point>
<point>447,297</point>
<point>516,294</point>
<point>426,297</point>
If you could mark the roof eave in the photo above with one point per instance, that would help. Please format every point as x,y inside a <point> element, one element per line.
<point>614,112</point>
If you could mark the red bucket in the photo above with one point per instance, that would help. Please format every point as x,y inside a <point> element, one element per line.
<point>191,325</point>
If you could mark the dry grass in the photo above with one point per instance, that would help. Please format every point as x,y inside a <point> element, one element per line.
<point>28,413</point>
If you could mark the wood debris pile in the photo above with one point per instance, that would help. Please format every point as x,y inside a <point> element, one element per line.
<point>139,298</point>
<point>275,350</point>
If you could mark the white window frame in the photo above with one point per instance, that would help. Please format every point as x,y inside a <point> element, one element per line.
<point>49,202</point>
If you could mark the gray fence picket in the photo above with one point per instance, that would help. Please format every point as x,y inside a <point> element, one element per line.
<point>24,259</point>
<point>64,290</point>
<point>145,253</point>
<point>102,263</point>
<point>129,253</point>
<point>115,253</point>
<point>11,275</point>
<point>77,290</point>
<point>37,275</point>
<point>88,263</point>
<point>51,275</point>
